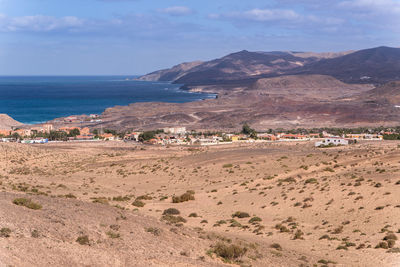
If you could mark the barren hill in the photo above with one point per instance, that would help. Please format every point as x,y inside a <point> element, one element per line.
<point>170,74</point>
<point>387,93</point>
<point>376,65</point>
<point>313,86</point>
<point>6,122</point>
<point>287,101</point>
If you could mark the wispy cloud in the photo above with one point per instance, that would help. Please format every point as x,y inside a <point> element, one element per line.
<point>377,7</point>
<point>177,11</point>
<point>277,17</point>
<point>39,23</point>
<point>266,15</point>
<point>132,26</point>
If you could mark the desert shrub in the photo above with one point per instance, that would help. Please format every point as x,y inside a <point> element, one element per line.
<point>240,214</point>
<point>390,237</point>
<point>144,197</point>
<point>189,195</point>
<point>235,223</point>
<point>338,230</point>
<point>227,166</point>
<point>282,228</point>
<point>35,233</point>
<point>322,261</point>
<point>154,230</point>
<point>83,240</point>
<point>383,245</point>
<point>298,235</point>
<point>311,181</point>
<point>229,252</point>
<point>255,219</point>
<point>70,195</point>
<point>391,243</point>
<point>193,214</point>
<point>138,203</point>
<point>101,200</point>
<point>5,232</point>
<point>112,234</point>
<point>27,203</point>
<point>393,250</point>
<point>288,180</point>
<point>121,198</point>
<point>115,227</point>
<point>173,219</point>
<point>171,211</point>
<point>325,237</point>
<point>276,246</point>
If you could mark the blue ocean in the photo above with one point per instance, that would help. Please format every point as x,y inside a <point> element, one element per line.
<point>39,99</point>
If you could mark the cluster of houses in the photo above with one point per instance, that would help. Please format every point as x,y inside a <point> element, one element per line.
<point>183,137</point>
<point>27,134</point>
<point>177,135</point>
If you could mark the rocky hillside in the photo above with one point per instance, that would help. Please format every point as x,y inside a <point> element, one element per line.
<point>288,101</point>
<point>386,94</point>
<point>375,65</point>
<point>170,74</point>
<point>240,65</point>
<point>314,86</point>
<point>6,122</point>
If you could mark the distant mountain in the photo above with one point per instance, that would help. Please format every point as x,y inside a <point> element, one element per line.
<point>375,65</point>
<point>171,74</point>
<point>242,65</point>
<point>236,66</point>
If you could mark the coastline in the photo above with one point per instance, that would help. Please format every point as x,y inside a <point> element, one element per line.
<point>125,94</point>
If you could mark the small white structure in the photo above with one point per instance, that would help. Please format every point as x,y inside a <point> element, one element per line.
<point>335,141</point>
<point>176,130</point>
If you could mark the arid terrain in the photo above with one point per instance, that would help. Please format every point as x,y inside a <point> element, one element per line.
<point>265,204</point>
<point>6,122</point>
<point>275,90</point>
<point>288,102</point>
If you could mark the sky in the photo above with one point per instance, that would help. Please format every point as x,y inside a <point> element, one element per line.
<point>133,37</point>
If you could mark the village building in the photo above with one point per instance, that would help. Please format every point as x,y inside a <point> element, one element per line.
<point>333,141</point>
<point>5,132</point>
<point>175,130</point>
<point>133,136</point>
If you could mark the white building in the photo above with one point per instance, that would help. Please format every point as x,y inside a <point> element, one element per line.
<point>176,130</point>
<point>332,141</point>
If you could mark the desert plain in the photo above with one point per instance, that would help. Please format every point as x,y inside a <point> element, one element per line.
<point>251,204</point>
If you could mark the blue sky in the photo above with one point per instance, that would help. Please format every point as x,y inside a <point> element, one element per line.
<point>99,37</point>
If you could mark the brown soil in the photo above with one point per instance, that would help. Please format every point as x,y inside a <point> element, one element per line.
<point>343,200</point>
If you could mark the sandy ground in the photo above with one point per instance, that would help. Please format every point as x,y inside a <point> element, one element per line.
<point>324,207</point>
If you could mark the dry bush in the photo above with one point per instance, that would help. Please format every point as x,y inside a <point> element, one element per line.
<point>27,203</point>
<point>83,240</point>
<point>229,252</point>
<point>189,195</point>
<point>171,211</point>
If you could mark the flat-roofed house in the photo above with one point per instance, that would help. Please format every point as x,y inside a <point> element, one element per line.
<point>333,141</point>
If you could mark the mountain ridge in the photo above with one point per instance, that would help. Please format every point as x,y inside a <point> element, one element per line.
<point>374,65</point>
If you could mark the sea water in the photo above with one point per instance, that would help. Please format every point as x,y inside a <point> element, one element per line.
<point>39,99</point>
